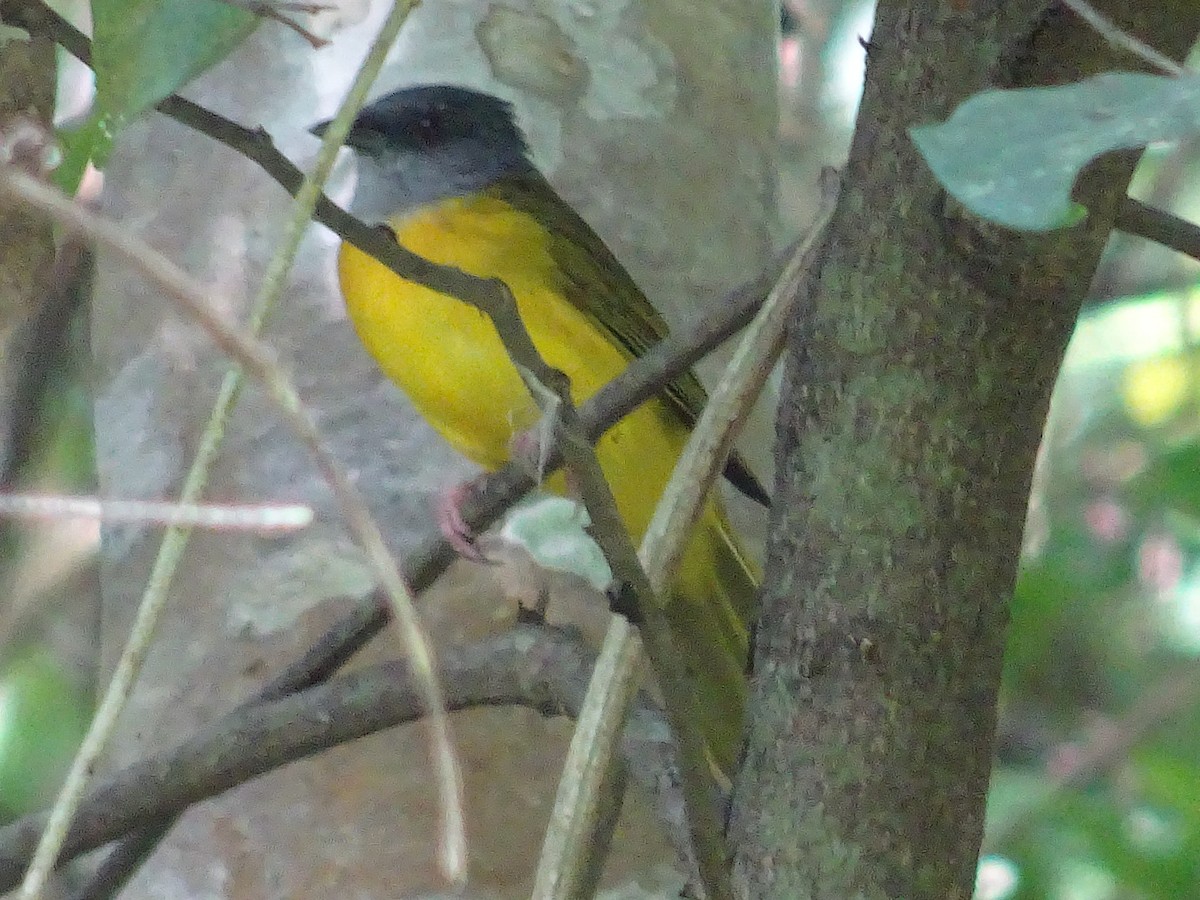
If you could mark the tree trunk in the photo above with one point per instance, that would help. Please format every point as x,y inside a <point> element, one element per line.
<point>919,372</point>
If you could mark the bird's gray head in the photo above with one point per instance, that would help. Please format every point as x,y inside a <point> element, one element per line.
<point>422,144</point>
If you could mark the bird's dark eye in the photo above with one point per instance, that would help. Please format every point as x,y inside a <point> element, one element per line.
<point>428,128</point>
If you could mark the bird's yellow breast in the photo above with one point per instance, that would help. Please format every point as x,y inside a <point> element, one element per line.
<point>448,358</point>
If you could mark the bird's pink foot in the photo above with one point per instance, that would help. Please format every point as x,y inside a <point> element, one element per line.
<point>447,512</point>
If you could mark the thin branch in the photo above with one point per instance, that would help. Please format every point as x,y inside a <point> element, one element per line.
<point>318,664</point>
<point>622,648</point>
<point>503,488</point>
<point>1134,217</point>
<point>275,12</point>
<point>1145,221</point>
<point>452,847</point>
<point>538,667</point>
<point>739,388</point>
<point>646,376</point>
<point>1123,40</point>
<point>255,144</point>
<point>552,391</point>
<point>260,517</point>
<point>38,18</point>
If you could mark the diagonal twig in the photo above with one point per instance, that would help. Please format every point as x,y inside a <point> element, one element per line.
<point>644,378</point>
<point>275,11</point>
<point>1123,40</point>
<point>548,384</point>
<point>566,848</point>
<point>1145,221</point>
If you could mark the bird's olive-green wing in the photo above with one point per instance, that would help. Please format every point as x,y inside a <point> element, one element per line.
<point>596,283</point>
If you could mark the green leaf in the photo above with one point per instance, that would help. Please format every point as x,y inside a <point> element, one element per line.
<point>144,50</point>
<point>1012,156</point>
<point>43,717</point>
<point>89,142</point>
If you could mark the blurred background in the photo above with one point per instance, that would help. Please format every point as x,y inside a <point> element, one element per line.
<point>1096,790</point>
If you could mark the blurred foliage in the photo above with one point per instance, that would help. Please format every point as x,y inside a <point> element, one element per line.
<point>1101,669</point>
<point>45,691</point>
<point>43,717</point>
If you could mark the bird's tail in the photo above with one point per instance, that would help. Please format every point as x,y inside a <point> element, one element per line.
<point>712,602</point>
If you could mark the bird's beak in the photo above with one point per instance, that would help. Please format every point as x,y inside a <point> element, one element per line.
<point>359,139</point>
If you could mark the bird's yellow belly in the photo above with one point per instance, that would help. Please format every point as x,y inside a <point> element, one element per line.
<point>447,357</point>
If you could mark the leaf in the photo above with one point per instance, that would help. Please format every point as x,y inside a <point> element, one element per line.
<point>1012,156</point>
<point>144,50</point>
<point>43,717</point>
<point>551,529</point>
<point>88,142</point>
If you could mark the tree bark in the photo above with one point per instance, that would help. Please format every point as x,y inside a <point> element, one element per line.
<point>919,372</point>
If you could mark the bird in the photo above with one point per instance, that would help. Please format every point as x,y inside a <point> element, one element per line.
<point>448,172</point>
